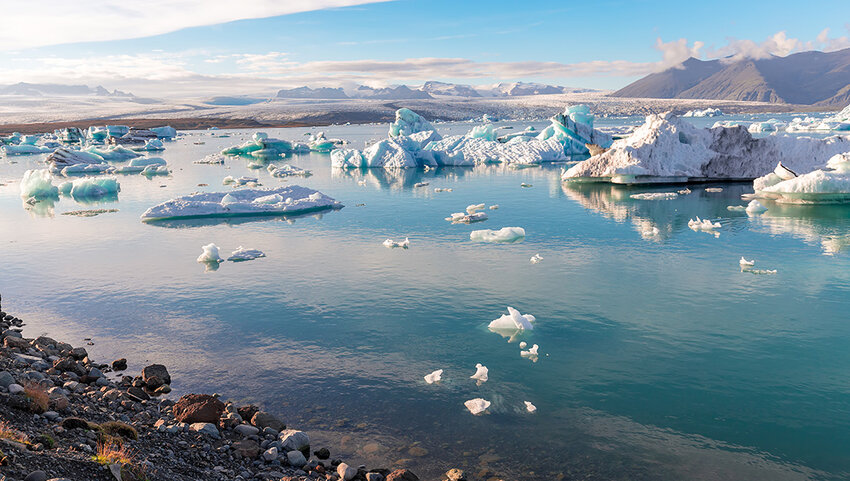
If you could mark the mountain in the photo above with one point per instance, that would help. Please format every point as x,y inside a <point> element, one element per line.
<point>308,93</point>
<point>402,92</point>
<point>434,87</point>
<point>807,78</point>
<point>50,90</point>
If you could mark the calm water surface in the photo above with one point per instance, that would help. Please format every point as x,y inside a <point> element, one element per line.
<point>660,359</point>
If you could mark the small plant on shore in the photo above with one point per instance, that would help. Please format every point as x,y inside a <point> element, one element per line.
<point>7,432</point>
<point>46,440</point>
<point>112,453</point>
<point>37,396</point>
<point>117,428</point>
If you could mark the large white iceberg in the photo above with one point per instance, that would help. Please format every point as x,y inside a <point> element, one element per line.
<point>408,122</point>
<point>512,321</point>
<point>462,151</point>
<point>709,112</point>
<point>823,186</point>
<point>668,149</point>
<point>76,161</point>
<point>289,200</point>
<point>505,234</point>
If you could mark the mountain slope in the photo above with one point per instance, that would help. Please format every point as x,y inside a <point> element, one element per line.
<point>807,78</point>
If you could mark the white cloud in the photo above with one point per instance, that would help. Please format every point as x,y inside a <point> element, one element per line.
<point>675,52</point>
<point>26,23</point>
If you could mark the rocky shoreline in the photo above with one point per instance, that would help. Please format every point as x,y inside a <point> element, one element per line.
<point>65,417</point>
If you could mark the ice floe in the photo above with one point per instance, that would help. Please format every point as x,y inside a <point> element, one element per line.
<point>69,161</point>
<point>535,259</point>
<point>512,321</point>
<point>503,235</point>
<point>287,170</point>
<point>481,373</point>
<point>828,185</point>
<point>745,263</point>
<point>239,181</point>
<point>655,196</point>
<point>531,354</point>
<point>142,164</point>
<point>402,244</point>
<point>113,153</point>
<point>755,207</point>
<point>242,254</point>
<point>466,218</point>
<point>24,149</point>
<point>477,406</point>
<point>290,200</point>
<point>669,149</point>
<point>210,254</point>
<point>714,189</point>
<point>709,112</point>
<point>530,407</point>
<point>38,184</point>
<point>263,147</point>
<point>91,187</point>
<point>433,377</point>
<point>703,224</point>
<point>212,159</point>
<point>574,130</point>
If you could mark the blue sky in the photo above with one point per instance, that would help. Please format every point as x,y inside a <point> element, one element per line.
<point>210,47</point>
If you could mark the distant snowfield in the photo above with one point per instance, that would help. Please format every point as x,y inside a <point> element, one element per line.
<point>16,109</point>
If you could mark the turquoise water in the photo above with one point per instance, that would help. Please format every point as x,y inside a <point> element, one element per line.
<point>660,359</point>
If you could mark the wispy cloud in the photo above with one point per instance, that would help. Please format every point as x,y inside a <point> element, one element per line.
<point>36,23</point>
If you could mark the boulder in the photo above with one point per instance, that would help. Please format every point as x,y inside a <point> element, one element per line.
<point>270,454</point>
<point>119,364</point>
<point>292,439</point>
<point>205,428</point>
<point>402,475</point>
<point>346,472</point>
<point>247,448</point>
<point>198,408</point>
<point>246,430</point>
<point>296,458</point>
<point>156,370</point>
<point>263,420</point>
<point>6,379</point>
<point>247,412</point>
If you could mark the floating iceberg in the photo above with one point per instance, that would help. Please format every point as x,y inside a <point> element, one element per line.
<point>655,196</point>
<point>261,146</point>
<point>755,207</point>
<point>535,259</point>
<point>505,234</point>
<point>714,189</point>
<point>463,151</point>
<point>24,149</point>
<point>709,112</point>
<point>531,353</point>
<point>573,129</point>
<point>114,153</point>
<point>391,243</point>
<point>292,200</point>
<point>486,132</point>
<point>38,184</point>
<point>477,406</point>
<point>211,159</point>
<point>435,376</point>
<point>139,165</point>
<point>442,189</point>
<point>745,263</point>
<point>242,254</point>
<point>150,145</point>
<point>668,149</point>
<point>75,161</point>
<point>823,186</point>
<point>210,254</point>
<point>239,181</point>
<point>703,224</point>
<point>466,218</point>
<point>91,187</point>
<point>287,170</point>
<point>387,154</point>
<point>408,122</point>
<point>512,321</point>
<point>530,407</point>
<point>165,132</point>
<point>481,372</point>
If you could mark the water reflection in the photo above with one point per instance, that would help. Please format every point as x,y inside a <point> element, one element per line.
<point>824,225</point>
<point>189,223</point>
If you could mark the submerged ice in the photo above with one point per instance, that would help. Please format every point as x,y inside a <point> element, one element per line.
<point>503,235</point>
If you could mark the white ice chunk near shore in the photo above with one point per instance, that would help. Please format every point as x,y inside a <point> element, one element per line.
<point>296,200</point>
<point>392,244</point>
<point>503,235</point>
<point>210,254</point>
<point>512,321</point>
<point>481,372</point>
<point>477,406</point>
<point>242,254</point>
<point>435,376</point>
<point>530,407</point>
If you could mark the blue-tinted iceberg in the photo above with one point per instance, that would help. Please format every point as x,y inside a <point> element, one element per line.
<point>68,161</point>
<point>574,130</point>
<point>503,235</point>
<point>408,122</point>
<point>38,184</point>
<point>165,132</point>
<point>290,200</point>
<point>91,187</point>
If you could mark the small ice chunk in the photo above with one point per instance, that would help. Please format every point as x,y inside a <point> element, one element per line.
<point>783,172</point>
<point>442,189</point>
<point>473,208</point>
<point>655,196</point>
<point>481,372</point>
<point>761,271</point>
<point>530,407</point>
<point>525,185</point>
<point>494,206</point>
<point>211,159</point>
<point>703,224</point>
<point>477,406</point>
<point>755,207</point>
<point>737,208</point>
<point>458,217</point>
<point>505,234</point>
<point>745,263</point>
<point>714,189</point>
<point>531,353</point>
<point>684,192</point>
<point>210,254</point>
<point>512,321</point>
<point>242,254</point>
<point>403,244</point>
<point>536,258</point>
<point>435,376</point>
<point>228,180</point>
<point>420,184</point>
<point>523,345</point>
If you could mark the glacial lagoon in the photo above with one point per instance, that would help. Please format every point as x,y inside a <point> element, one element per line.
<point>659,358</point>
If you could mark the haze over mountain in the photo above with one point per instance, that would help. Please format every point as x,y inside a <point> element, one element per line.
<point>49,90</point>
<point>806,78</point>
<point>428,90</point>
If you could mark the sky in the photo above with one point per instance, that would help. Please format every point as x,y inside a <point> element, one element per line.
<point>198,48</point>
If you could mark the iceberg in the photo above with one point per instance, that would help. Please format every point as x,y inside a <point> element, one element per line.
<point>261,146</point>
<point>435,376</point>
<point>391,243</point>
<point>76,161</point>
<point>24,149</point>
<point>463,151</point>
<point>655,196</point>
<point>295,200</point>
<point>113,153</point>
<point>671,150</point>
<point>150,145</point>
<point>703,224</point>
<point>210,254</point>
<point>38,184</point>
<point>466,218</point>
<point>531,353</point>
<point>287,170</point>
<point>244,180</point>
<point>481,372</point>
<point>486,132</point>
<point>512,321</point>
<point>408,122</point>
<point>535,259</point>
<point>526,186</point>
<point>165,132</point>
<point>709,112</point>
<point>755,207</point>
<point>830,185</point>
<point>503,235</point>
<point>211,159</point>
<point>530,407</point>
<point>387,154</point>
<point>477,406</point>
<point>242,254</point>
<point>140,165</point>
<point>745,263</point>
<point>573,129</point>
<point>91,187</point>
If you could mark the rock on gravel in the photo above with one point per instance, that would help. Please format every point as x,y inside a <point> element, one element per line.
<point>198,408</point>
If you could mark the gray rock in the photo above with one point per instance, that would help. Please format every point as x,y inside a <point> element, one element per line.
<point>374,477</point>
<point>246,430</point>
<point>205,428</point>
<point>95,372</point>
<point>15,388</point>
<point>51,415</point>
<point>6,379</point>
<point>264,420</point>
<point>102,381</point>
<point>346,472</point>
<point>36,476</point>
<point>296,458</point>
<point>270,454</point>
<point>292,439</point>
<point>156,370</point>
<point>25,358</point>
